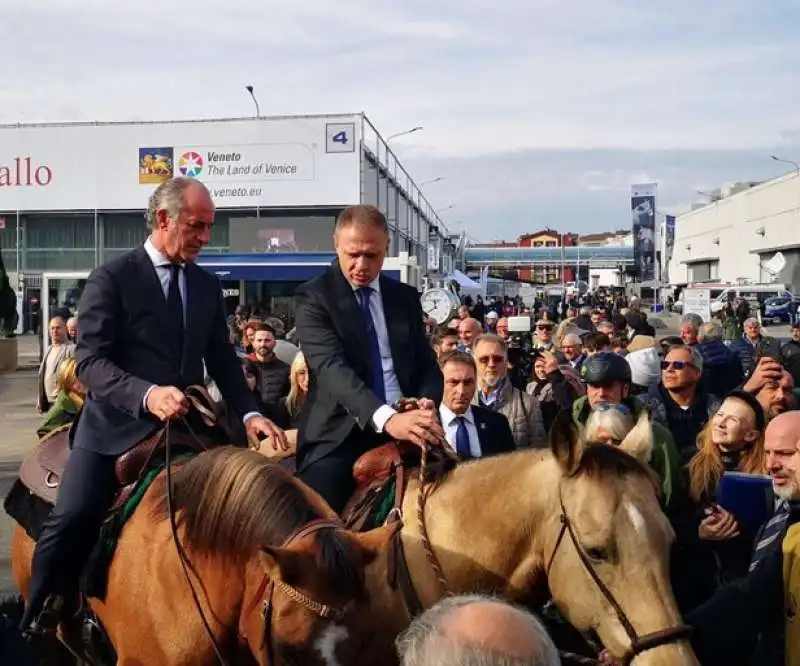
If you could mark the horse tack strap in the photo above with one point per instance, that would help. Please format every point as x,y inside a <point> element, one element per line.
<point>399,576</point>
<point>311,528</point>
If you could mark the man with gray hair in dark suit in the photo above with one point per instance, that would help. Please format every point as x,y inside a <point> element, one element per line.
<point>476,630</point>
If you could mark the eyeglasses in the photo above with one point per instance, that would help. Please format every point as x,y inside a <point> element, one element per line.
<point>544,327</point>
<point>609,406</point>
<point>678,365</point>
<point>484,360</point>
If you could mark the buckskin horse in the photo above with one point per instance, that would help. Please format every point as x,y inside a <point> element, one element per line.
<point>581,523</point>
<point>273,575</point>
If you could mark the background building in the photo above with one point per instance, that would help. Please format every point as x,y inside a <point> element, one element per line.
<point>736,236</point>
<point>73,196</point>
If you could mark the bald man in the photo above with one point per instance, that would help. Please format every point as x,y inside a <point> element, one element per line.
<point>756,619</point>
<point>476,630</point>
<point>469,330</point>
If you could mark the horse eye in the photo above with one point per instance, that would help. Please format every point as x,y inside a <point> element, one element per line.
<point>597,553</point>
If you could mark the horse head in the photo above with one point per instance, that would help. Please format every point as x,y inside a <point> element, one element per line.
<point>607,546</point>
<point>307,594</point>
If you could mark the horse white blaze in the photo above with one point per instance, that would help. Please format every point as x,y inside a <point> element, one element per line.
<point>636,517</point>
<point>327,641</point>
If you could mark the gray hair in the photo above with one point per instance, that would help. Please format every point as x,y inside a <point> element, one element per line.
<point>751,320</point>
<point>169,196</point>
<point>710,331</point>
<point>605,327</point>
<point>694,319</point>
<point>586,310</point>
<point>694,352</point>
<point>614,421</point>
<point>493,338</point>
<point>424,643</point>
<point>571,339</point>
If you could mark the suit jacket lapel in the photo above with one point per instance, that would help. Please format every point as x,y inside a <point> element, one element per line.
<point>191,307</point>
<point>480,426</point>
<point>348,309</point>
<point>154,292</point>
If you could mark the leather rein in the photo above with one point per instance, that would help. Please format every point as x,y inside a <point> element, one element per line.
<point>639,643</point>
<point>267,588</point>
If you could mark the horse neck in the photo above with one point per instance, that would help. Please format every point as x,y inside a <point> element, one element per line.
<point>484,523</point>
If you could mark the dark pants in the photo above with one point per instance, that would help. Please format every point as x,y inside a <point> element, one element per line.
<point>332,476</point>
<point>70,532</point>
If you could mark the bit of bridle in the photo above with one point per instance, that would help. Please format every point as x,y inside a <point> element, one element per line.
<point>639,644</point>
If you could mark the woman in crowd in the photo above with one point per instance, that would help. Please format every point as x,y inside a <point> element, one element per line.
<point>713,541</point>
<point>71,395</point>
<point>287,414</point>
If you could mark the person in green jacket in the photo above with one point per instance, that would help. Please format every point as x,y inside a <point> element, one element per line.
<point>71,394</point>
<point>608,380</point>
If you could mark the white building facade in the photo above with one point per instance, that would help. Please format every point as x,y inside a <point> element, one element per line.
<point>735,237</point>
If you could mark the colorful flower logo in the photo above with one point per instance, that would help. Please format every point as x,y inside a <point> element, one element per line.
<point>190,164</point>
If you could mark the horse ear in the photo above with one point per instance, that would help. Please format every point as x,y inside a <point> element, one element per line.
<point>280,563</point>
<point>565,441</point>
<point>371,544</point>
<point>639,441</point>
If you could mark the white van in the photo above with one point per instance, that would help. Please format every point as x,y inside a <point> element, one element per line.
<point>753,292</point>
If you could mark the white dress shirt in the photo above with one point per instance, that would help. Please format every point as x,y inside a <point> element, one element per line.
<point>450,422</point>
<point>390,382</point>
<point>163,268</point>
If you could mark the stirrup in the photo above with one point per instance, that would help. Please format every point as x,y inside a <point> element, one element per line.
<point>46,624</point>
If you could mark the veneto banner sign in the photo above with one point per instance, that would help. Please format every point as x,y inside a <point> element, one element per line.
<point>280,162</point>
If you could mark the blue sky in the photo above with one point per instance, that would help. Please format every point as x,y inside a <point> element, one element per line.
<point>536,113</point>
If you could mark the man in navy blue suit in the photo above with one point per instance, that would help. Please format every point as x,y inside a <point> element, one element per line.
<point>364,340</point>
<point>470,430</point>
<point>148,321</point>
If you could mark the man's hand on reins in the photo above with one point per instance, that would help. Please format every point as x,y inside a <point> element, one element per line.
<point>166,402</point>
<point>419,426</point>
<point>259,427</point>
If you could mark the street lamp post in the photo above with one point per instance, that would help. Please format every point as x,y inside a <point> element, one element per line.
<point>431,181</point>
<point>785,161</point>
<point>408,131</point>
<point>255,101</point>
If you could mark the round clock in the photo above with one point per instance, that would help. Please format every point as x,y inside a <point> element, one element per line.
<point>439,304</point>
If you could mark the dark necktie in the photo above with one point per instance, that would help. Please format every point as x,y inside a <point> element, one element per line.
<point>772,533</point>
<point>376,363</point>
<point>175,305</point>
<point>463,448</point>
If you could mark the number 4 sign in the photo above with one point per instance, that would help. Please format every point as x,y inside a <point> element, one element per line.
<point>340,137</point>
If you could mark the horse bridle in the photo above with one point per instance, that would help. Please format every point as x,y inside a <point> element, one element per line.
<point>639,644</point>
<point>267,588</point>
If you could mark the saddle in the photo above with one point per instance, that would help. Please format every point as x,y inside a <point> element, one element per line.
<point>43,467</point>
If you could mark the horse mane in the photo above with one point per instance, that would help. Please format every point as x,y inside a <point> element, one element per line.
<point>600,460</point>
<point>232,502</point>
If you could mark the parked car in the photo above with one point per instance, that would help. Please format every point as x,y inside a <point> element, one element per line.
<point>780,309</point>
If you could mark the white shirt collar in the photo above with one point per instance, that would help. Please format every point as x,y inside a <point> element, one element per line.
<point>448,415</point>
<point>156,256</point>
<point>375,285</point>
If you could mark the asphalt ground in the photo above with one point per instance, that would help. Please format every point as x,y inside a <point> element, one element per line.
<point>19,420</point>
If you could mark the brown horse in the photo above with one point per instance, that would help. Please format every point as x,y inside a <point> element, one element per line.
<point>583,521</point>
<point>275,575</point>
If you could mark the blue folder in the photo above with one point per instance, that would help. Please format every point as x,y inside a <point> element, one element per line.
<point>749,497</point>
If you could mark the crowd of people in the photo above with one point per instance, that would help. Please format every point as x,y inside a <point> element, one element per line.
<point>716,409</point>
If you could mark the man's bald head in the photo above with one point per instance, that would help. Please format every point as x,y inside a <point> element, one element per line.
<point>782,451</point>
<point>468,330</point>
<point>472,630</point>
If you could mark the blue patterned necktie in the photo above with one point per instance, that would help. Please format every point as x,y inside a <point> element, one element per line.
<point>463,449</point>
<point>376,363</point>
<point>772,532</point>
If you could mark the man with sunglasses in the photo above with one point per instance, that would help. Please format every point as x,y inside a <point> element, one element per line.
<point>496,392</point>
<point>608,382</point>
<point>679,402</point>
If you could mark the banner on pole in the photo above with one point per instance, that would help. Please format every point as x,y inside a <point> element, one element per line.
<point>643,220</point>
